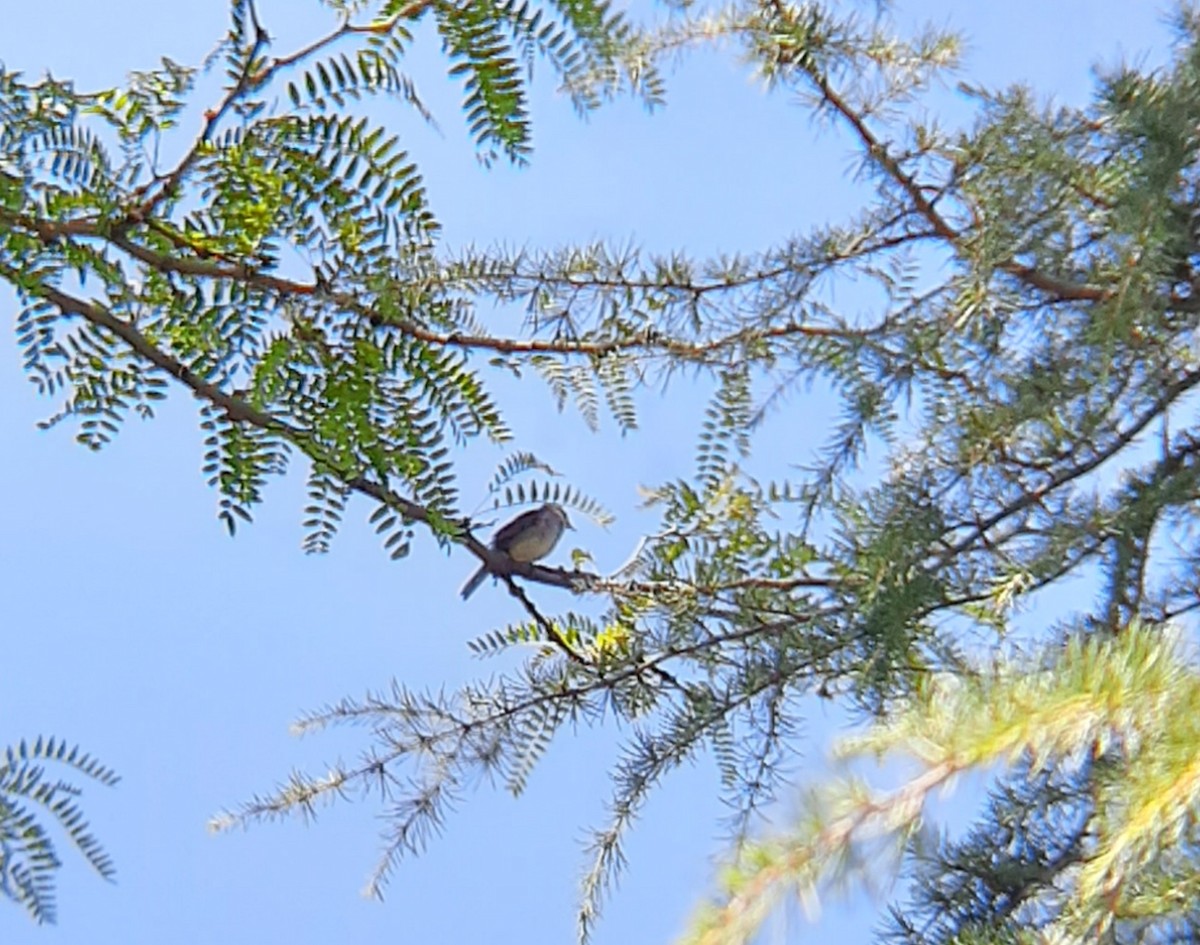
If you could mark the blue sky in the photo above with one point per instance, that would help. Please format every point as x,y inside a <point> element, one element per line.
<point>136,627</point>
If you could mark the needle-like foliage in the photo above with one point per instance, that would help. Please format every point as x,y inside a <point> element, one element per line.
<point>1015,375</point>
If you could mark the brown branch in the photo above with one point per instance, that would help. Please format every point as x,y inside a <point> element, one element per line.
<point>712,590</point>
<point>877,151</point>
<point>250,79</point>
<point>552,632</point>
<point>1171,392</point>
<point>238,410</point>
<point>556,637</point>
<point>412,11</point>
<point>886,815</point>
<point>212,117</point>
<point>50,231</point>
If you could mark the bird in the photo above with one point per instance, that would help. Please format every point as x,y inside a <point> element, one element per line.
<point>529,537</point>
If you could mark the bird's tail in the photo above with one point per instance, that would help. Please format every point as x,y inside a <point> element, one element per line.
<point>473,582</point>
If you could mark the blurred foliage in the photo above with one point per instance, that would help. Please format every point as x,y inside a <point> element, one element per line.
<point>29,797</point>
<point>1025,379</point>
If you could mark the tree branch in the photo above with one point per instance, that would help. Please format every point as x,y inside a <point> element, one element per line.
<point>409,12</point>
<point>199,266</point>
<point>238,410</point>
<point>877,152</point>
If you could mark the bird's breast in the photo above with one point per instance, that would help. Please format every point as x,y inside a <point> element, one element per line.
<point>533,545</point>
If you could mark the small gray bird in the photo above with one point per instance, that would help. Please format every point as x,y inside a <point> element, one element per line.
<point>529,537</point>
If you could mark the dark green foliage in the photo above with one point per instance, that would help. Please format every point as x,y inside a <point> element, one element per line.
<point>1016,380</point>
<point>29,797</point>
<point>999,879</point>
<point>505,491</point>
<point>237,461</point>
<point>356,365</point>
<point>726,426</point>
<point>564,495</point>
<point>327,495</point>
<point>515,465</point>
<point>989,389</point>
<point>394,528</point>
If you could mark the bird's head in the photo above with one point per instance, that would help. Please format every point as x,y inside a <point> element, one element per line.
<point>559,511</point>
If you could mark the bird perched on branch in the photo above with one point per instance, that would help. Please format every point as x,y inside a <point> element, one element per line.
<point>529,537</point>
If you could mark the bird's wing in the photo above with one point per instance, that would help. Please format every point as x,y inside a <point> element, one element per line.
<point>511,530</point>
